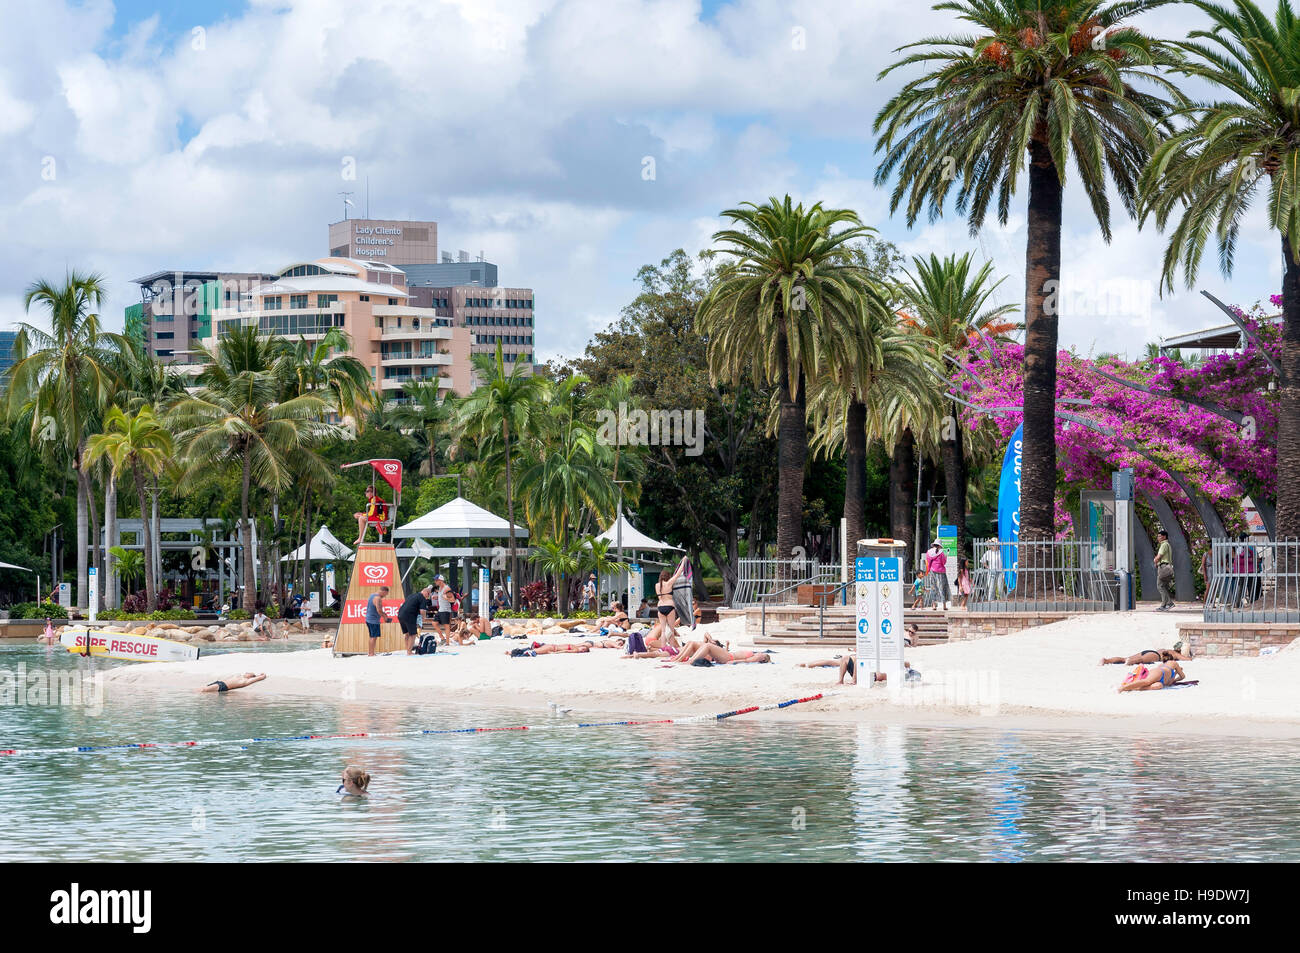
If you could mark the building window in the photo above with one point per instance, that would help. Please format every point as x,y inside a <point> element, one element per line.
<point>165,335</point>
<point>163,353</point>
<point>297,301</point>
<point>392,301</point>
<point>324,301</point>
<point>271,304</point>
<point>365,297</point>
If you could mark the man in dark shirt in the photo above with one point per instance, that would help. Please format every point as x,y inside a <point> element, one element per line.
<point>409,615</point>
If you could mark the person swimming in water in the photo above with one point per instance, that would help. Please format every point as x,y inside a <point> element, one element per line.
<point>232,682</point>
<point>355,783</point>
<point>1153,677</point>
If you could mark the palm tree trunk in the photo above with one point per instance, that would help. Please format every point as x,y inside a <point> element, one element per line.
<point>792,450</point>
<point>1288,416</point>
<point>855,479</point>
<point>246,529</point>
<point>306,563</point>
<point>510,515</point>
<point>902,492</point>
<point>150,580</point>
<point>1042,289</point>
<point>954,475</point>
<point>83,538</point>
<point>110,540</point>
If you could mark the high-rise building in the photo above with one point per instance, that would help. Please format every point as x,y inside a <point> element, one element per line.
<point>7,339</point>
<point>176,308</point>
<point>392,242</point>
<point>489,314</point>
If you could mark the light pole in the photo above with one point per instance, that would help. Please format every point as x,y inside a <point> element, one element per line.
<point>618,531</point>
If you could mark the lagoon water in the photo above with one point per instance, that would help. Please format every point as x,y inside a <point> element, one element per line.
<point>737,790</point>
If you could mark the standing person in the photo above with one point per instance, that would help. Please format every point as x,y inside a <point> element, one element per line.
<point>1207,571</point>
<point>1254,578</point>
<point>48,635</point>
<point>936,566</point>
<point>306,616</point>
<point>589,593</point>
<point>666,609</point>
<point>1165,572</point>
<point>963,581</point>
<point>991,569</point>
<point>443,618</point>
<point>416,604</point>
<point>375,616</point>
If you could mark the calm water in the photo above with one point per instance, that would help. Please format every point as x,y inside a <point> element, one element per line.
<point>738,790</point>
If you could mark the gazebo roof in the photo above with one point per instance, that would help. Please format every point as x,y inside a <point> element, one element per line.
<point>459,519</point>
<point>632,538</point>
<point>324,546</point>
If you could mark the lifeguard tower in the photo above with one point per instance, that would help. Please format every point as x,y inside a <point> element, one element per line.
<point>374,565</point>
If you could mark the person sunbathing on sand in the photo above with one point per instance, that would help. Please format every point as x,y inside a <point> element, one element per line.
<point>668,651</point>
<point>1149,657</point>
<point>611,643</point>
<point>1153,678</point>
<point>232,682</point>
<point>541,648</point>
<point>720,656</point>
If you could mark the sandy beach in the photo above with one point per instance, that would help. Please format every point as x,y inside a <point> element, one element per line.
<point>1043,677</point>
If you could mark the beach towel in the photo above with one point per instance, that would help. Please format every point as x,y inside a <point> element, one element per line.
<point>683,597</point>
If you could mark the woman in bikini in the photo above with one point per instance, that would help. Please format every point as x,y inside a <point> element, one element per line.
<point>1154,677</point>
<point>1148,657</point>
<point>666,610</point>
<point>719,655</point>
<point>541,648</point>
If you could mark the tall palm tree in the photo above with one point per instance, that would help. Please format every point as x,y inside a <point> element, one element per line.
<point>1039,84</point>
<point>1205,175</point>
<point>140,445</point>
<point>426,415</point>
<point>947,303</point>
<point>325,367</point>
<point>786,305</point>
<point>500,411</point>
<point>60,379</point>
<point>236,420</point>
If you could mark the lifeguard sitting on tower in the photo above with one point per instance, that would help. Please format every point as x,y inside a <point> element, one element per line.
<point>374,513</point>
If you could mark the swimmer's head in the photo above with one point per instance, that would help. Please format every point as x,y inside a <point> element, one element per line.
<point>356,777</point>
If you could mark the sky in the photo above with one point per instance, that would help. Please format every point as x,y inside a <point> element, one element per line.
<point>571,141</point>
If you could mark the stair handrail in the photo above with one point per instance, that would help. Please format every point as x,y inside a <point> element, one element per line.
<point>762,600</point>
<point>821,611</point>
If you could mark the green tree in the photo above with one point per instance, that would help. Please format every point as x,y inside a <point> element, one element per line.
<point>1037,86</point>
<point>500,412</point>
<point>947,301</point>
<point>1205,176</point>
<point>60,382</point>
<point>141,446</point>
<point>427,416</point>
<point>236,421</point>
<point>785,306</point>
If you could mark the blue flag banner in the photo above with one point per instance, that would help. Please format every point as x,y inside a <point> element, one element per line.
<point>1009,507</point>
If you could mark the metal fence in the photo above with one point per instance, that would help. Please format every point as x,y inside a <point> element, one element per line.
<point>758,578</point>
<point>1253,582</point>
<point>1047,576</point>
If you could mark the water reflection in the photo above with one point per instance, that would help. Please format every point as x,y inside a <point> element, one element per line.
<point>739,790</point>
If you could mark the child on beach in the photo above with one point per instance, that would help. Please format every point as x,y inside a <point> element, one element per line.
<point>48,635</point>
<point>963,582</point>
<point>918,590</point>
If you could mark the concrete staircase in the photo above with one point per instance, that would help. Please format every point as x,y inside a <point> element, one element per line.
<point>841,627</point>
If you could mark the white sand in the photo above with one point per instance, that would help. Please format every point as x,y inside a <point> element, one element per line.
<point>1041,677</point>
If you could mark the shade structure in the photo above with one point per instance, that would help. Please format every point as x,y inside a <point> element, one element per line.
<point>12,566</point>
<point>633,538</point>
<point>324,547</point>
<point>459,519</point>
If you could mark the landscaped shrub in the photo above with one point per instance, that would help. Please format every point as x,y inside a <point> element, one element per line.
<point>539,595</point>
<point>162,615</point>
<point>238,614</point>
<point>37,610</point>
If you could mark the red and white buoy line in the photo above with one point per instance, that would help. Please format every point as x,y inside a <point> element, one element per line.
<point>82,749</point>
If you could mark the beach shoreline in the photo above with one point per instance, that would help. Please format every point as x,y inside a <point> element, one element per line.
<point>1040,679</point>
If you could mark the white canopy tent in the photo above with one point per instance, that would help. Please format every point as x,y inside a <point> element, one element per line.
<point>459,519</point>
<point>324,547</point>
<point>12,566</point>
<point>632,538</point>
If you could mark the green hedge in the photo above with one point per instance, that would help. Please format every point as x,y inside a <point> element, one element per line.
<point>37,610</point>
<point>530,614</point>
<point>159,615</point>
<point>238,614</point>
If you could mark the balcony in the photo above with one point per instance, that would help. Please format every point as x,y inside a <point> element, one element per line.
<point>397,383</point>
<point>425,332</point>
<point>415,360</point>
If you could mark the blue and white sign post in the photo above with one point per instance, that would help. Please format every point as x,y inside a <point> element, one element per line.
<point>878,593</point>
<point>484,592</point>
<point>94,593</point>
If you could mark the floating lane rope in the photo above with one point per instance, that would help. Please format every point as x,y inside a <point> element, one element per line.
<point>79,749</point>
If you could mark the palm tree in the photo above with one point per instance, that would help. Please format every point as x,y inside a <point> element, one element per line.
<point>786,305</point>
<point>139,445</point>
<point>60,379</point>
<point>236,420</point>
<point>426,415</point>
<point>130,563</point>
<point>1206,174</point>
<point>326,367</point>
<point>500,411</point>
<point>948,305</point>
<point>1036,86</point>
<point>558,559</point>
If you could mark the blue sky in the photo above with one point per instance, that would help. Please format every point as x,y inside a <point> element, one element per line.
<point>211,134</point>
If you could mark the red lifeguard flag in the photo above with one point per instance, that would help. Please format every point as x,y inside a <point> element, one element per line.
<point>391,471</point>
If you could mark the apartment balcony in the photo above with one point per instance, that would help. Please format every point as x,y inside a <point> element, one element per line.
<point>397,383</point>
<point>403,311</point>
<point>429,332</point>
<point>415,360</point>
